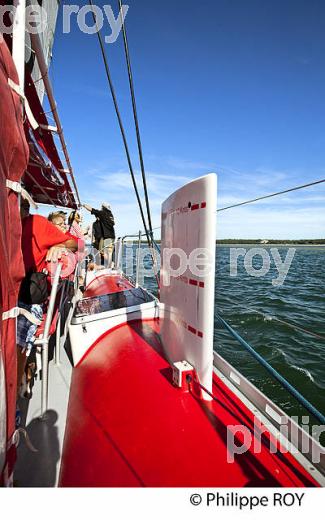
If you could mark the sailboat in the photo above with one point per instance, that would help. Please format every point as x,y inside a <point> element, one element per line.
<point>142,399</point>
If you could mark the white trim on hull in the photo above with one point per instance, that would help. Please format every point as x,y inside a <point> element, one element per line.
<point>273,417</point>
<point>85,331</point>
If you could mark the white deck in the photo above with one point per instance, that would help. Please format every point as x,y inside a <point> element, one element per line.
<point>42,469</point>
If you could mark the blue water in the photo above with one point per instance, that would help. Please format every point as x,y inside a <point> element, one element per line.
<point>300,301</point>
<point>298,356</point>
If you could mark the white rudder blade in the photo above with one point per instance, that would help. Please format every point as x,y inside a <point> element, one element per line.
<point>188,244</point>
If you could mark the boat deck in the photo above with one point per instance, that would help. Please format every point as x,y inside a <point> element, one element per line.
<point>41,468</point>
<point>129,426</point>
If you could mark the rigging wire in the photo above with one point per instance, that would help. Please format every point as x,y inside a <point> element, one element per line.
<point>153,243</point>
<point>295,188</point>
<point>271,195</point>
<point>117,111</point>
<point>274,373</point>
<point>149,233</point>
<point>119,118</point>
<point>135,115</point>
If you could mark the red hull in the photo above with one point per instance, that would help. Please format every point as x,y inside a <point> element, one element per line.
<point>129,426</point>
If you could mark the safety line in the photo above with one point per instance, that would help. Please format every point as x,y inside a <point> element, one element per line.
<point>274,373</point>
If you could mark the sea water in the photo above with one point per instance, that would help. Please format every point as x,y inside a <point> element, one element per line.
<point>253,305</point>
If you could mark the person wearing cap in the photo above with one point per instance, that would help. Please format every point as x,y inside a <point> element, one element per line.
<point>105,230</point>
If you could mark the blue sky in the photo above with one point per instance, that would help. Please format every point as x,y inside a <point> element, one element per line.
<point>230,86</point>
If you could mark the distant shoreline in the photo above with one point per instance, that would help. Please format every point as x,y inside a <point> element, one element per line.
<point>276,244</point>
<point>258,242</point>
<point>311,242</point>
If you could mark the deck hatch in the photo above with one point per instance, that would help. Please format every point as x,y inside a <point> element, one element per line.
<point>111,302</point>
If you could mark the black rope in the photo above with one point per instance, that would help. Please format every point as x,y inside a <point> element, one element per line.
<point>189,379</point>
<point>135,117</point>
<point>274,373</point>
<point>272,195</point>
<point>111,86</point>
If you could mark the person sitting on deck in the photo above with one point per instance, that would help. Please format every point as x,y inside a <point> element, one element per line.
<point>42,245</point>
<point>106,229</point>
<point>58,220</point>
<point>92,266</point>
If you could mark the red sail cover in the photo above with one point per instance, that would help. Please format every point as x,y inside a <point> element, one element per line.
<point>45,178</point>
<point>14,155</point>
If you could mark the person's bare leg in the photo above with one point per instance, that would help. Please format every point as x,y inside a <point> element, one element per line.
<point>21,365</point>
<point>31,367</point>
<point>30,372</point>
<point>110,255</point>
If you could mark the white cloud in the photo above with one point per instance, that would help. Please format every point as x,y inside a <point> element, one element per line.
<point>295,215</point>
<point>117,189</point>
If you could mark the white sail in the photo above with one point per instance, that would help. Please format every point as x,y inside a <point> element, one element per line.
<point>50,9</point>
